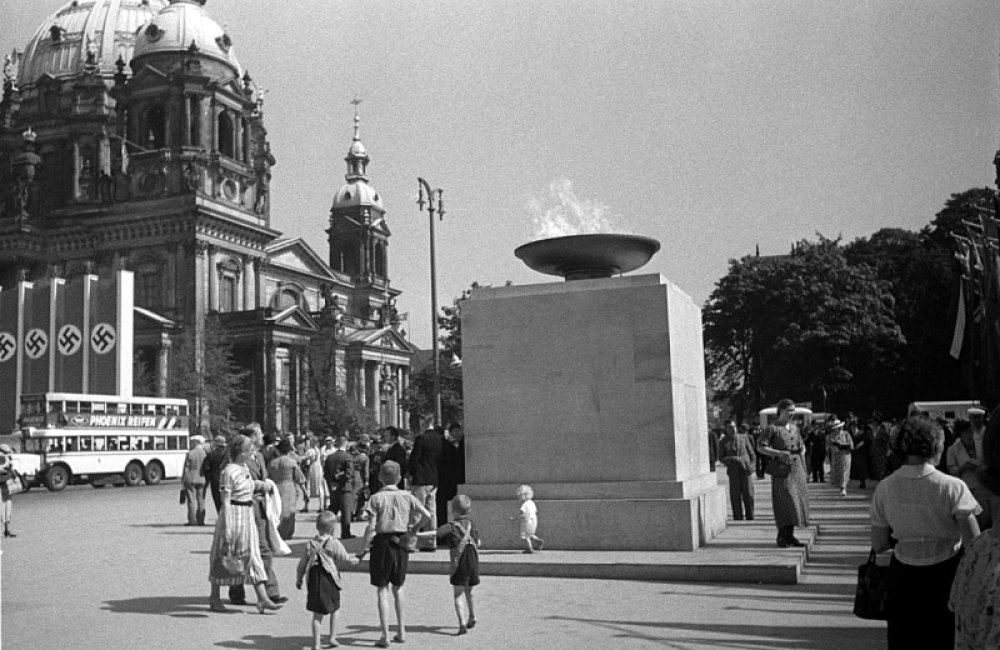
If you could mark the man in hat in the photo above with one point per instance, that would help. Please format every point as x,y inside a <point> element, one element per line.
<point>193,481</point>
<point>211,468</point>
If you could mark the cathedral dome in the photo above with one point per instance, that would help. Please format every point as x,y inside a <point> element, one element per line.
<point>180,27</point>
<point>357,193</point>
<point>85,33</point>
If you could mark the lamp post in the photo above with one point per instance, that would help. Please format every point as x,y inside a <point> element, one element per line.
<point>433,205</point>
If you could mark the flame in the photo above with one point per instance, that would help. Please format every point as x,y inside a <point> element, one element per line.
<point>562,213</point>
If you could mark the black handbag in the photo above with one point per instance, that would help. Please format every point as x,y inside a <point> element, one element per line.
<point>872,591</point>
<point>777,469</point>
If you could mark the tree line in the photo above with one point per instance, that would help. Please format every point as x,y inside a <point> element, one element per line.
<point>865,326</point>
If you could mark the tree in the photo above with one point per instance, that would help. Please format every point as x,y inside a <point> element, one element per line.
<point>419,398</point>
<point>923,282</point>
<point>330,408</point>
<point>204,372</point>
<point>803,325</point>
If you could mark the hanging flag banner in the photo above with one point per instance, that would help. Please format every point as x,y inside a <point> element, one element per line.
<point>72,331</point>
<point>103,339</point>
<point>9,345</point>
<point>36,342</point>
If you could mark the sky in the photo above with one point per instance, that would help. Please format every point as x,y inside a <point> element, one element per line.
<point>713,126</point>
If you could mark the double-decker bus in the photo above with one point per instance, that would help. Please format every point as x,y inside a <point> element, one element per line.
<point>78,437</point>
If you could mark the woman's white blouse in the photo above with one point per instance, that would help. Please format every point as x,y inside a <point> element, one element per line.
<point>921,506</point>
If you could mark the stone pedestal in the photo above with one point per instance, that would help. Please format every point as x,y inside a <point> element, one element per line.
<point>593,393</point>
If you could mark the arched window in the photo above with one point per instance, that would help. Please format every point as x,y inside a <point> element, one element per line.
<point>155,132</point>
<point>380,259</point>
<point>194,126</point>
<point>227,135</point>
<point>288,298</point>
<point>149,283</point>
<point>352,257</point>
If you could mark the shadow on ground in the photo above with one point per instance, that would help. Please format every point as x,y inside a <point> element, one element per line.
<point>352,637</point>
<point>176,606</point>
<point>742,637</point>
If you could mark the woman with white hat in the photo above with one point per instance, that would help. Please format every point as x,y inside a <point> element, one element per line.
<point>7,472</point>
<point>839,446</point>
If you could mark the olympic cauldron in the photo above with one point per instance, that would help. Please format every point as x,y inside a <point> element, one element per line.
<point>592,391</point>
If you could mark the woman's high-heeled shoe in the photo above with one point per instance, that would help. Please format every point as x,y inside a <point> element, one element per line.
<point>217,606</point>
<point>266,605</point>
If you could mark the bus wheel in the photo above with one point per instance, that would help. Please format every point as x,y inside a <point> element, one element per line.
<point>57,478</point>
<point>133,474</point>
<point>154,473</point>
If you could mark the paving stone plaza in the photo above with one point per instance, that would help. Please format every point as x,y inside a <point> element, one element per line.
<point>116,567</point>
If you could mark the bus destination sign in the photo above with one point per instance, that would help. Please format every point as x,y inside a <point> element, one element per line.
<point>119,421</point>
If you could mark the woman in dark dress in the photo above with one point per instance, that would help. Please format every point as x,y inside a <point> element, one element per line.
<point>861,456</point>
<point>782,445</point>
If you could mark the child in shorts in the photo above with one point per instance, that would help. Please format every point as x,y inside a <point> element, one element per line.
<point>393,517</point>
<point>528,518</point>
<point>463,542</point>
<point>318,567</point>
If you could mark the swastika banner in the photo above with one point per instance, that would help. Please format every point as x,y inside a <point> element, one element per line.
<point>37,338</point>
<point>72,329</point>
<point>110,336</point>
<point>9,344</point>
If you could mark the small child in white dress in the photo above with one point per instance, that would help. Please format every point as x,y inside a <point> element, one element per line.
<point>528,519</point>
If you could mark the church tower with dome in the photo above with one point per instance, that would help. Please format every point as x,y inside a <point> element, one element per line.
<point>131,138</point>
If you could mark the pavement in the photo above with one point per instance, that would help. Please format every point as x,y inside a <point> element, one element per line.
<point>116,567</point>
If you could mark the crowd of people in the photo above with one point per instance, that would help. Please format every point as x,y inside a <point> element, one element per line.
<point>401,485</point>
<point>935,505</point>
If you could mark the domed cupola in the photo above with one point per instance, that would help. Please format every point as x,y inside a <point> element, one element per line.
<point>358,233</point>
<point>85,37</point>
<point>357,191</point>
<point>185,27</point>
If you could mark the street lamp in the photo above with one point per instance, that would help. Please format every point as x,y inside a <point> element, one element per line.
<point>433,205</point>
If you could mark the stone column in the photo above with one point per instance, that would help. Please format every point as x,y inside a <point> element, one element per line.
<point>376,390</point>
<point>213,280</point>
<point>76,169</point>
<point>260,286</point>
<point>163,366</point>
<point>249,284</point>
<point>238,137</point>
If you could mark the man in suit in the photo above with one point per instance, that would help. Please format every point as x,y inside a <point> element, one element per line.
<point>258,472</point>
<point>396,453</point>
<point>193,481</point>
<point>736,451</point>
<point>339,474</point>
<point>424,461</point>
<point>451,471</point>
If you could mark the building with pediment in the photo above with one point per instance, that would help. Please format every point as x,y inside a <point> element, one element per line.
<point>131,138</point>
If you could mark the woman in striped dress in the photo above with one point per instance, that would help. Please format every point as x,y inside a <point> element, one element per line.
<point>235,555</point>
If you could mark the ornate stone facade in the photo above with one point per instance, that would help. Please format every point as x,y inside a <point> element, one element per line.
<point>131,137</point>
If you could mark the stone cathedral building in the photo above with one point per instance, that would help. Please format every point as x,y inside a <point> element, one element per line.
<point>131,138</point>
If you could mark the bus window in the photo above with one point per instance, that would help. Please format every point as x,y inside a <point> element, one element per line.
<point>124,444</point>
<point>121,409</point>
<point>112,443</point>
<point>72,443</point>
<point>172,442</point>
<point>79,407</point>
<point>160,409</point>
<point>135,409</point>
<point>86,443</point>
<point>138,443</point>
<point>159,443</point>
<point>99,443</point>
<point>55,445</point>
